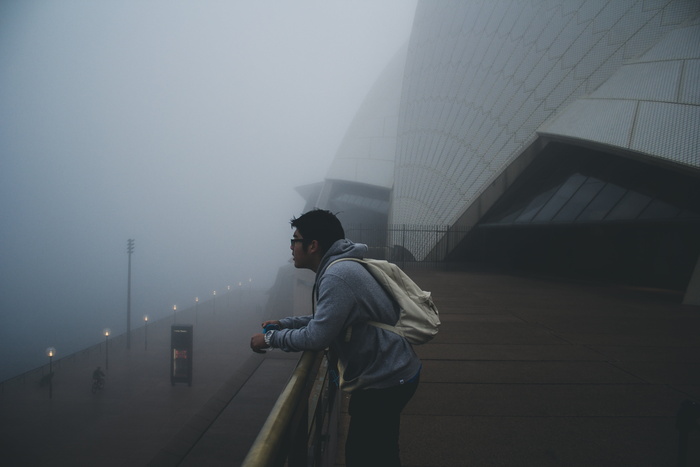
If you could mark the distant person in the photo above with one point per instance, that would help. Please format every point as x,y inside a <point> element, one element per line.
<point>377,367</point>
<point>98,375</point>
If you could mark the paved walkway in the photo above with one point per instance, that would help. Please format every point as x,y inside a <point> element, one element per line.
<point>529,372</point>
<point>525,372</point>
<point>139,418</point>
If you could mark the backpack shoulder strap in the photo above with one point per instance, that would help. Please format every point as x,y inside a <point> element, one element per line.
<point>377,324</point>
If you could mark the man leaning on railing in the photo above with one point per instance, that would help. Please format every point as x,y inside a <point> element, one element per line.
<point>379,368</point>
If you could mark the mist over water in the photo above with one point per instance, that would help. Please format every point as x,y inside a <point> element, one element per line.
<point>185,126</point>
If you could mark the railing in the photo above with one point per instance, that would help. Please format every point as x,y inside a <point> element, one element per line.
<point>408,245</point>
<point>302,426</point>
<point>118,341</point>
<point>39,375</point>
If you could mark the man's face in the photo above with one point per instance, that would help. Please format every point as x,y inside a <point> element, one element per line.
<point>300,255</point>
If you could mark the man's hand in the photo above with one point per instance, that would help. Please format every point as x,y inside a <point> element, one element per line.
<point>271,322</point>
<point>257,343</point>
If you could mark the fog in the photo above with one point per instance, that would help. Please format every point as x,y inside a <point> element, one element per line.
<point>185,126</point>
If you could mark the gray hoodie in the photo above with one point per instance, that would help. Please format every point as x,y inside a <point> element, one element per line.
<point>348,297</point>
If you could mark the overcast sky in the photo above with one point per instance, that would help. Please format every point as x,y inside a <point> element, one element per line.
<point>182,125</point>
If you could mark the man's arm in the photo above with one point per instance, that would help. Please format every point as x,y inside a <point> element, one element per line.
<point>336,301</point>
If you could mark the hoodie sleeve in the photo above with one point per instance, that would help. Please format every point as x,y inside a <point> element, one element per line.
<point>333,311</point>
<point>295,322</point>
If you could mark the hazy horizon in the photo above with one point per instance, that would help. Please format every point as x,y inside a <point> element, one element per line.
<point>183,126</point>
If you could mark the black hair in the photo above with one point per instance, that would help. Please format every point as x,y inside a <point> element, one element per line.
<point>320,225</point>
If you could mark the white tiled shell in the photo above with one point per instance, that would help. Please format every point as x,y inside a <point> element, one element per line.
<point>483,76</point>
<point>651,105</point>
<point>366,154</point>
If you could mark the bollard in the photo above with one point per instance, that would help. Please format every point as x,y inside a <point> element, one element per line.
<point>686,421</point>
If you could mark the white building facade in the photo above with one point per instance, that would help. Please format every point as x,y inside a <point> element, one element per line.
<point>573,121</point>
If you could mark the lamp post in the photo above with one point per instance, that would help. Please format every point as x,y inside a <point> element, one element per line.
<point>106,333</point>
<point>129,250</point>
<point>174,314</point>
<point>145,340</point>
<point>196,307</point>
<point>50,352</point>
<point>215,302</point>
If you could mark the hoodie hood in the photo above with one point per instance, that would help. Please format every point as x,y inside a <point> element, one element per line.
<point>342,249</point>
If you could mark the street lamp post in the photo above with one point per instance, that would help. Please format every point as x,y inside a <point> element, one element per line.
<point>174,314</point>
<point>129,250</point>
<point>106,333</point>
<point>145,345</point>
<point>196,307</point>
<point>214,302</point>
<point>50,352</point>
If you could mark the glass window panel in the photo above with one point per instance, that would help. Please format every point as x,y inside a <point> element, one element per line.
<point>630,206</point>
<point>534,206</point>
<point>602,204</point>
<point>579,201</point>
<point>563,194</point>
<point>657,209</point>
<point>510,218</point>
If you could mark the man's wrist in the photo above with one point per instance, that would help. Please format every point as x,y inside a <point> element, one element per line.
<point>268,336</point>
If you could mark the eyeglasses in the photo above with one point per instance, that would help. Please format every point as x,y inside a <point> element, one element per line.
<point>297,240</point>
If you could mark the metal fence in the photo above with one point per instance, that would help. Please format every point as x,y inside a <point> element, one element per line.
<point>406,244</point>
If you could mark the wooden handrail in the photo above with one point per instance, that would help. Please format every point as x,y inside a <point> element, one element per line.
<point>272,445</point>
